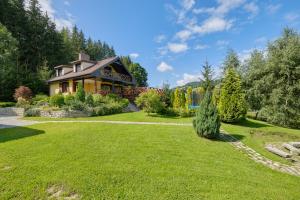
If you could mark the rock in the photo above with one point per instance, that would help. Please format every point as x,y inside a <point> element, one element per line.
<point>295,144</point>
<point>291,148</point>
<point>277,151</point>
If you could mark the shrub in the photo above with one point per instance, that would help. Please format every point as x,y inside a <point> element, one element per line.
<point>23,92</point>
<point>32,112</point>
<point>150,102</point>
<point>7,104</point>
<point>98,99</point>
<point>207,122</point>
<point>89,100</point>
<point>68,99</point>
<point>80,93</point>
<point>183,112</point>
<point>23,103</point>
<point>232,104</point>
<point>40,99</point>
<point>57,100</point>
<point>77,105</point>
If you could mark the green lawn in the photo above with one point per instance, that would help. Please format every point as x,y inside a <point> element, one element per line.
<point>241,130</point>
<point>111,161</point>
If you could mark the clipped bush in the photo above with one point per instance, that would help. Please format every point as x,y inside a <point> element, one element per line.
<point>57,100</point>
<point>32,112</point>
<point>207,121</point>
<point>23,92</point>
<point>23,103</point>
<point>80,93</point>
<point>7,104</point>
<point>150,102</point>
<point>89,100</point>
<point>68,99</point>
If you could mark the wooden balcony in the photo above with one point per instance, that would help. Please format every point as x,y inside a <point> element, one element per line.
<point>115,76</point>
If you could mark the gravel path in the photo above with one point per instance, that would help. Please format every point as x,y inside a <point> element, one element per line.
<point>7,122</point>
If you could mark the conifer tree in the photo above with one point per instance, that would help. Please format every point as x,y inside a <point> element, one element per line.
<point>232,104</point>
<point>188,97</point>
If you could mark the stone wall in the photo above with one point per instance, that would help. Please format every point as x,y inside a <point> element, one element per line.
<point>12,111</point>
<point>63,114</point>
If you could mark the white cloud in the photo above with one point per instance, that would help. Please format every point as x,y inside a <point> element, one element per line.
<point>67,3</point>
<point>212,24</point>
<point>245,54</point>
<point>224,6</point>
<point>222,44</point>
<point>201,46</point>
<point>160,38</point>
<point>187,78</point>
<point>273,8</point>
<point>164,67</point>
<point>183,35</point>
<point>252,8</point>
<point>292,16</point>
<point>134,55</point>
<point>261,40</point>
<point>177,47</point>
<point>47,7</point>
<point>187,4</point>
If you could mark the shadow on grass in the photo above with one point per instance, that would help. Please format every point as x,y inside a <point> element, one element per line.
<point>15,133</point>
<point>250,124</point>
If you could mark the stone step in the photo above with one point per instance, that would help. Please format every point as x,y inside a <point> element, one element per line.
<point>291,148</point>
<point>277,151</point>
<point>295,144</point>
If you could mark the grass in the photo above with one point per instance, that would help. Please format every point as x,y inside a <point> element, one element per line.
<point>262,132</point>
<point>256,134</point>
<point>113,161</point>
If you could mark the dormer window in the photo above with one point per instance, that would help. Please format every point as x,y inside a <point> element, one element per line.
<point>59,72</point>
<point>78,67</point>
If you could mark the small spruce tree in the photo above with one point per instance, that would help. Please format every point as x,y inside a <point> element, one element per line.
<point>207,121</point>
<point>232,105</point>
<point>80,93</point>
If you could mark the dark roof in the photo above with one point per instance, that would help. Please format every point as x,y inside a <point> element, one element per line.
<point>86,71</point>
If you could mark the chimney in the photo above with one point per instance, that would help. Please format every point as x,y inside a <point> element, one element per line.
<point>83,56</point>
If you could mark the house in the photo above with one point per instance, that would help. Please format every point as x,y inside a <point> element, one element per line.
<point>104,76</point>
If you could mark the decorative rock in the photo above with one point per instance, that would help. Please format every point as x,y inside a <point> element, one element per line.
<point>12,111</point>
<point>295,144</point>
<point>291,148</point>
<point>278,151</point>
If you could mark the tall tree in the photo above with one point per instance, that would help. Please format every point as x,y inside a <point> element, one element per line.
<point>231,60</point>
<point>232,105</point>
<point>8,64</point>
<point>283,80</point>
<point>253,82</point>
<point>207,74</point>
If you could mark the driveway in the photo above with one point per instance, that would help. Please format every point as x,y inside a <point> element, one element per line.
<point>13,121</point>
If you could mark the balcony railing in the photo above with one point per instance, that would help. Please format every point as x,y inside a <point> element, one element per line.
<point>115,75</point>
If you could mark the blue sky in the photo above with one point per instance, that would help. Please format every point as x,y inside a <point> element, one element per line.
<point>173,38</point>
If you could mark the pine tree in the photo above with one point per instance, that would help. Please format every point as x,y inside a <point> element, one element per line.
<point>232,105</point>
<point>177,98</point>
<point>207,121</point>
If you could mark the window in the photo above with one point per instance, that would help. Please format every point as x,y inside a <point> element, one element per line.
<point>59,72</point>
<point>64,87</point>
<point>105,87</point>
<point>78,67</point>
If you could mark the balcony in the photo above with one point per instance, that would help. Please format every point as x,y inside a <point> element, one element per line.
<point>115,76</point>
